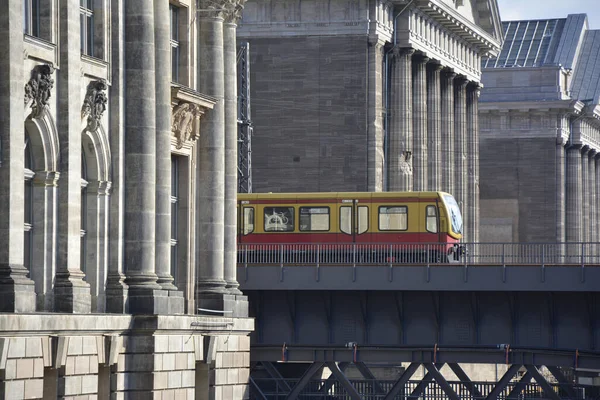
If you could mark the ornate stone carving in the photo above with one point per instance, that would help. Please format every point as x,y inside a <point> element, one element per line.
<point>214,8</point>
<point>234,10</point>
<point>38,89</point>
<point>94,104</point>
<point>184,121</point>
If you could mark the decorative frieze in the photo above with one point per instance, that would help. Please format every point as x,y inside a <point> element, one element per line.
<point>94,104</point>
<point>38,89</point>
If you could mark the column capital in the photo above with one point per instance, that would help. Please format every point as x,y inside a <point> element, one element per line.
<point>461,81</point>
<point>102,188</point>
<point>403,51</point>
<point>448,73</point>
<point>234,11</point>
<point>434,66</point>
<point>214,8</point>
<point>420,58</point>
<point>46,178</point>
<point>592,153</point>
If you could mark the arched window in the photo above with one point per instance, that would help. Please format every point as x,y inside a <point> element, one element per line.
<point>28,174</point>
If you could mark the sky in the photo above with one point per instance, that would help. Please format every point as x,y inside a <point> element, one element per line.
<point>544,9</point>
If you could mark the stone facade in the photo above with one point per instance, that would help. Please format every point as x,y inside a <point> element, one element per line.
<point>118,160</point>
<point>348,95</point>
<point>540,137</point>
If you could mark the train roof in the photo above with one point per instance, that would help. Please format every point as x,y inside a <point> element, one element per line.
<point>338,195</point>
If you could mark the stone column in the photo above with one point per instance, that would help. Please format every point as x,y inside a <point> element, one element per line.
<point>447,130</point>
<point>210,193</point>
<point>473,92</point>
<point>460,152</point>
<point>16,290</point>
<point>401,123</point>
<point>434,125</point>
<point>163,155</point>
<point>231,135</point>
<point>71,292</point>
<point>574,194</point>
<point>590,217</point>
<point>585,194</point>
<point>596,223</point>
<point>420,174</point>
<point>375,100</point>
<point>116,289</point>
<point>145,295</point>
<point>98,193</point>
<point>560,194</point>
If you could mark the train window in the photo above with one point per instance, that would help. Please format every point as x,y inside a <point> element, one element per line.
<point>279,219</point>
<point>363,219</point>
<point>393,218</point>
<point>431,220</point>
<point>314,218</point>
<point>346,219</point>
<point>248,220</point>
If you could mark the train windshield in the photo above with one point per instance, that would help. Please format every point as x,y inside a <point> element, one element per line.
<point>454,211</point>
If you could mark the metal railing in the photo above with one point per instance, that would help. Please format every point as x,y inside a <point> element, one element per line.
<point>274,389</point>
<point>581,254</point>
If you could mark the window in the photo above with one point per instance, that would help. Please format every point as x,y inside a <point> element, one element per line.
<point>393,218</point>
<point>431,219</point>
<point>363,219</point>
<point>346,219</point>
<point>279,219</point>
<point>314,218</point>
<point>28,228</point>
<point>86,19</point>
<point>174,215</point>
<point>248,220</point>
<point>174,18</point>
<point>31,17</point>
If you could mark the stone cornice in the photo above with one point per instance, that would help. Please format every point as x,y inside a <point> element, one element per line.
<point>461,26</point>
<point>573,106</point>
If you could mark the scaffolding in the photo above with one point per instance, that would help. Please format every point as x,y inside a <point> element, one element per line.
<point>244,120</point>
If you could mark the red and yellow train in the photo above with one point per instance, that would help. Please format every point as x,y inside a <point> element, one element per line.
<point>416,218</point>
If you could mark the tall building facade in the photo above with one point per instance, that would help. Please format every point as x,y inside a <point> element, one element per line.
<point>540,134</point>
<point>369,95</point>
<point>118,183</point>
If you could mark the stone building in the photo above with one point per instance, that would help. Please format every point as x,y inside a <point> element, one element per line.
<point>540,134</point>
<point>369,95</point>
<point>118,178</point>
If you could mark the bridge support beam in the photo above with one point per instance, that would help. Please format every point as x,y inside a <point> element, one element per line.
<point>435,373</point>
<point>306,377</point>
<point>518,388</point>
<point>399,385</point>
<point>366,372</point>
<point>331,380</point>
<point>503,382</point>
<point>274,373</point>
<point>466,381</point>
<point>532,369</point>
<point>563,381</point>
<point>350,389</point>
<point>424,383</point>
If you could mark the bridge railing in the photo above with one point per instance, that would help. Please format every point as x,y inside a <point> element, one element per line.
<point>581,254</point>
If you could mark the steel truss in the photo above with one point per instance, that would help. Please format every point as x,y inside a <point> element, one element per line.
<point>433,385</point>
<point>244,120</point>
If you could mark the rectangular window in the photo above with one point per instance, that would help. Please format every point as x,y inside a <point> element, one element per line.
<point>86,19</point>
<point>31,17</point>
<point>346,219</point>
<point>248,220</point>
<point>174,19</point>
<point>314,218</point>
<point>279,219</point>
<point>393,218</point>
<point>431,219</point>
<point>363,219</point>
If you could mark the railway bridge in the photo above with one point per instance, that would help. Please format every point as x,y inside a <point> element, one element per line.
<point>533,309</point>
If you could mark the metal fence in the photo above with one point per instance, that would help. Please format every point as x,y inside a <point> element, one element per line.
<point>277,389</point>
<point>419,253</point>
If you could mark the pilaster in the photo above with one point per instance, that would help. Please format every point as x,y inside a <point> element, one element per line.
<point>401,125</point>
<point>71,292</point>
<point>473,91</point>
<point>447,130</point>
<point>16,289</point>
<point>231,147</point>
<point>375,100</point>
<point>574,194</point>
<point>145,294</point>
<point>461,151</point>
<point>210,175</point>
<point>420,174</point>
<point>434,124</point>
<point>590,218</point>
<point>561,194</point>
<point>585,194</point>
<point>163,156</point>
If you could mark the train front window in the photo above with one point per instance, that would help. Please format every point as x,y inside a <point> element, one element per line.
<point>454,213</point>
<point>393,218</point>
<point>279,219</point>
<point>314,218</point>
<point>431,220</point>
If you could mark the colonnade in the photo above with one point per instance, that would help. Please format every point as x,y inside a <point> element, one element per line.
<point>433,135</point>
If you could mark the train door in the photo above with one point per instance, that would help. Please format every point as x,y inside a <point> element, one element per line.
<point>431,235</point>
<point>245,214</point>
<point>354,221</point>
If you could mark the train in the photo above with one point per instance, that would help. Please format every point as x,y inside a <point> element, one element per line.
<point>407,226</point>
